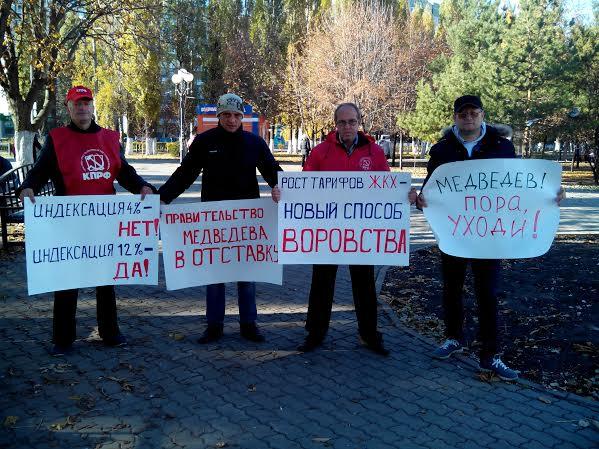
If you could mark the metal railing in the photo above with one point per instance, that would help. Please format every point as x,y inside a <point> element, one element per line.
<point>161,147</point>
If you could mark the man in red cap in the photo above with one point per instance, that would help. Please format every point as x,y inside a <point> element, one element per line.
<point>64,159</point>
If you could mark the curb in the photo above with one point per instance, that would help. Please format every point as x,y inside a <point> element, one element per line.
<point>381,273</point>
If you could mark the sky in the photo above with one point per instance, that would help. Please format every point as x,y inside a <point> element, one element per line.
<point>583,8</point>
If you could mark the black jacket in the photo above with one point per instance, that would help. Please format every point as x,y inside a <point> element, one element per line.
<point>46,167</point>
<point>228,163</point>
<point>449,149</point>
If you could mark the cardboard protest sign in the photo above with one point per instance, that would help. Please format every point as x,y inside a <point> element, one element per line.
<point>91,240</point>
<point>344,218</point>
<point>220,241</point>
<point>494,208</point>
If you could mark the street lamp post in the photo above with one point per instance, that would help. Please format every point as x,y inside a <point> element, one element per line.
<point>182,81</point>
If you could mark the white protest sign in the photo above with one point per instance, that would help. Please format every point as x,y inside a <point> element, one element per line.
<point>91,240</point>
<point>344,218</point>
<point>494,208</point>
<point>220,241</point>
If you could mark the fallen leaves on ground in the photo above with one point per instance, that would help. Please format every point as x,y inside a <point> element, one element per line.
<point>68,422</point>
<point>124,383</point>
<point>547,311</point>
<point>10,421</point>
<point>177,336</point>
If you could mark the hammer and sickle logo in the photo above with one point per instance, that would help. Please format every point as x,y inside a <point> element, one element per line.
<point>94,160</point>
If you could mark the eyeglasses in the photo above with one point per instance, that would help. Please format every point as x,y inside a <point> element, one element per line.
<point>473,114</point>
<point>342,123</point>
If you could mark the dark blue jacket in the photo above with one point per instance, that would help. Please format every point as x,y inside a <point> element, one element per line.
<point>5,165</point>
<point>449,149</point>
<point>228,161</point>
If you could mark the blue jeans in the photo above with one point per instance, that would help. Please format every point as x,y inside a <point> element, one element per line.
<point>215,302</point>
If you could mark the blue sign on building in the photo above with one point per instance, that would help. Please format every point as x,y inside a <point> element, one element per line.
<point>251,122</point>
<point>211,109</point>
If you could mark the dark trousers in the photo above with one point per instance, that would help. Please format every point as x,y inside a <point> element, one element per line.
<point>486,275</point>
<point>246,300</point>
<point>321,299</point>
<point>64,323</point>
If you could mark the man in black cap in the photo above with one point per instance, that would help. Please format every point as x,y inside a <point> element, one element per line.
<point>470,138</point>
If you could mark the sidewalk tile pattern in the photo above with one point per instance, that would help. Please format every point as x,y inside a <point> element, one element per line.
<point>166,391</point>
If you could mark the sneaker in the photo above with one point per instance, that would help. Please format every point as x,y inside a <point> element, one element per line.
<point>496,366</point>
<point>375,344</point>
<point>118,341</point>
<point>250,332</point>
<point>311,342</point>
<point>60,350</point>
<point>213,333</point>
<point>448,348</point>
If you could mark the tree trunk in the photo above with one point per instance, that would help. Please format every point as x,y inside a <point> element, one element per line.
<point>523,143</point>
<point>393,151</point>
<point>150,145</point>
<point>401,151</point>
<point>543,149</point>
<point>594,169</point>
<point>150,140</point>
<point>128,146</point>
<point>24,147</point>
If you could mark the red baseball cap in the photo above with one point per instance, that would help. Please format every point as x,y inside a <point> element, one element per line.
<point>77,93</point>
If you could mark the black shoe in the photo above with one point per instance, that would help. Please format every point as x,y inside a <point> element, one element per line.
<point>375,344</point>
<point>118,341</point>
<point>310,343</point>
<point>213,333</point>
<point>250,332</point>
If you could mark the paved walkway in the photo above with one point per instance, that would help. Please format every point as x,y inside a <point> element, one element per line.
<point>166,391</point>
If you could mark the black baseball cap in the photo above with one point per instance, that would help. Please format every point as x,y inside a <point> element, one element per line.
<point>467,100</point>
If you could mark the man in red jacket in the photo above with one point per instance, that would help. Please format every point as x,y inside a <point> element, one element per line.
<point>83,159</point>
<point>345,149</point>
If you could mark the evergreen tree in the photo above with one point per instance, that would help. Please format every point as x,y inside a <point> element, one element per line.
<point>533,65</point>
<point>516,60</point>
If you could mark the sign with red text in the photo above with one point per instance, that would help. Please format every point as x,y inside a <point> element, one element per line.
<point>344,218</point>
<point>220,241</point>
<point>494,208</point>
<point>91,240</point>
